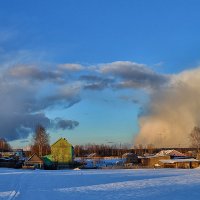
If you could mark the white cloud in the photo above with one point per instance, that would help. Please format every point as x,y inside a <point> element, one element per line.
<point>172,112</point>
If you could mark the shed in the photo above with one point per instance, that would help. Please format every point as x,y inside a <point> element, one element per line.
<point>151,161</point>
<point>180,163</point>
<point>34,161</point>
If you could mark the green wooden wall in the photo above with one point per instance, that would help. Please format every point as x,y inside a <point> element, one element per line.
<point>62,151</point>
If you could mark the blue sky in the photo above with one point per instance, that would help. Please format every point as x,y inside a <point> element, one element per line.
<point>95,40</point>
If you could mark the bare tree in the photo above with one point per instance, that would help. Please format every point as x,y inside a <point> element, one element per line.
<point>150,148</point>
<point>195,137</point>
<point>4,146</point>
<point>41,144</point>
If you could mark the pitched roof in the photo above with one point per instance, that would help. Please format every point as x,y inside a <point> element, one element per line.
<point>36,156</point>
<point>170,153</point>
<point>60,140</point>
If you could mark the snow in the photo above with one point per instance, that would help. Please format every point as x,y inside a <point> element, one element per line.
<point>102,162</point>
<point>162,184</point>
<point>179,160</point>
<point>9,194</point>
<point>77,168</point>
<point>170,153</point>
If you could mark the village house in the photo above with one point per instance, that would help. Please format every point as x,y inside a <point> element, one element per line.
<point>179,163</point>
<point>34,162</point>
<point>62,154</point>
<point>172,153</point>
<point>169,159</point>
<point>152,161</point>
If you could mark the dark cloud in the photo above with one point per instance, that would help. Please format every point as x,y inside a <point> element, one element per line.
<point>65,124</point>
<point>28,72</point>
<point>19,126</point>
<point>92,78</point>
<point>123,75</point>
<point>93,82</point>
<point>67,96</point>
<point>22,103</point>
<point>96,86</point>
<point>26,91</point>
<point>16,126</point>
<point>133,75</point>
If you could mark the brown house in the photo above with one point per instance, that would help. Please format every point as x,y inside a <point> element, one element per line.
<point>172,153</point>
<point>34,162</point>
<point>152,161</point>
<point>179,163</point>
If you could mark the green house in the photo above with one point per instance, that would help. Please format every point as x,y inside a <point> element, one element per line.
<point>62,151</point>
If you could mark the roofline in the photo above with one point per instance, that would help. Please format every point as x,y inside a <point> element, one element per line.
<point>34,155</point>
<point>59,140</point>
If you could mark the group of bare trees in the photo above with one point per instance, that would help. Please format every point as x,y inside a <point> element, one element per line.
<point>99,150</point>
<point>4,146</point>
<point>195,137</point>
<point>106,150</point>
<point>41,146</point>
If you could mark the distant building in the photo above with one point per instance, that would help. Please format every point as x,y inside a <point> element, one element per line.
<point>62,154</point>
<point>130,158</point>
<point>172,153</point>
<point>62,151</point>
<point>152,161</point>
<point>19,153</point>
<point>34,161</point>
<point>179,163</point>
<point>169,159</point>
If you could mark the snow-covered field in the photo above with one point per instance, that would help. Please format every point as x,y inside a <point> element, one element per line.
<point>100,184</point>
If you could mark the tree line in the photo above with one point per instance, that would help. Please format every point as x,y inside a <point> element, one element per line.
<point>41,145</point>
<point>99,150</point>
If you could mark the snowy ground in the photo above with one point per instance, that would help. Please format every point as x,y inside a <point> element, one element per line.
<point>169,184</point>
